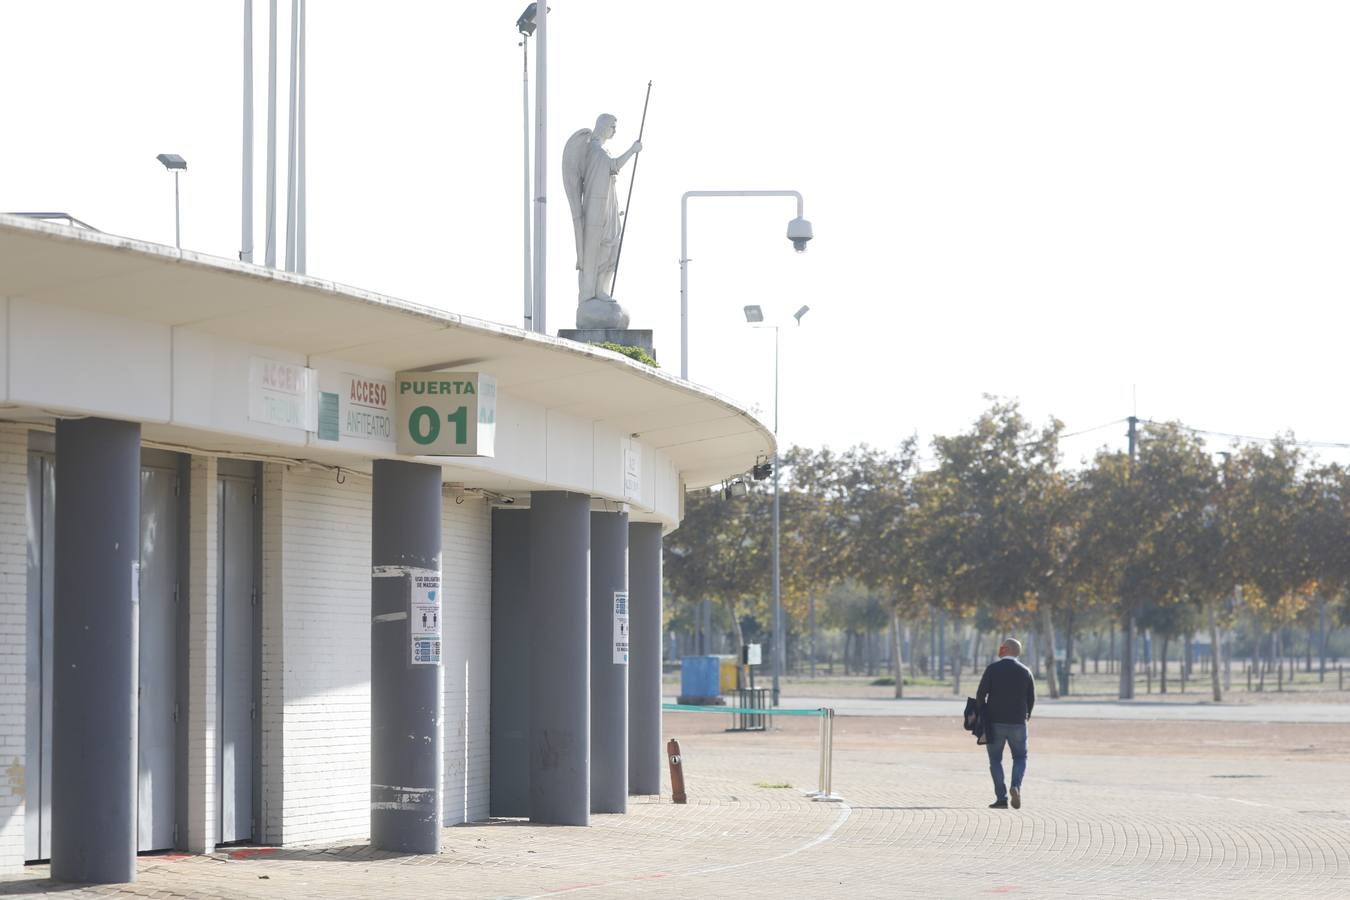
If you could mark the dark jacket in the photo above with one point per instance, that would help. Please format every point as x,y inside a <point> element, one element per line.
<point>973,720</point>
<point>1007,691</point>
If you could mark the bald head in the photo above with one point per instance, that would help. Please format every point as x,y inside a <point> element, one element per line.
<point>1010,647</point>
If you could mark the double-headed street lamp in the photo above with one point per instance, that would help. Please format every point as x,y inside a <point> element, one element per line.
<point>755,316</point>
<point>798,231</point>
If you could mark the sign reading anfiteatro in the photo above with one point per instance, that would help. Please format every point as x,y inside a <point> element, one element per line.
<point>445,413</point>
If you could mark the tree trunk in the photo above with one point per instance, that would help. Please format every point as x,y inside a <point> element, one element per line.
<point>1048,632</point>
<point>1214,650</point>
<point>910,637</point>
<point>975,655</point>
<point>1322,642</point>
<point>1126,655</point>
<point>1226,638</point>
<point>1068,649</point>
<point>1167,638</point>
<point>736,624</point>
<point>1112,655</point>
<point>1261,663</point>
<point>956,656</point>
<point>897,655</point>
<point>1185,663</point>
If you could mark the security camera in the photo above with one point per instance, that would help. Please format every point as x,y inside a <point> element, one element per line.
<point>508,500</point>
<point>799,232</point>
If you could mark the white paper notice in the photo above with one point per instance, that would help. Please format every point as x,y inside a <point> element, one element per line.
<point>621,627</point>
<point>424,616</point>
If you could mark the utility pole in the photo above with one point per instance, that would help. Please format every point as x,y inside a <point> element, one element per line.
<point>1127,639</point>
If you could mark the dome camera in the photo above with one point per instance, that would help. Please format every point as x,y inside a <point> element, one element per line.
<point>799,232</point>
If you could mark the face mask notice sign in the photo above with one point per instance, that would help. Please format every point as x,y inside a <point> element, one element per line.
<point>424,616</point>
<point>621,627</point>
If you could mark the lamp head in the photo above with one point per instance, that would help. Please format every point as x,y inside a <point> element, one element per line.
<point>799,232</point>
<point>525,24</point>
<point>754,314</point>
<point>172,161</point>
<point>801,312</point>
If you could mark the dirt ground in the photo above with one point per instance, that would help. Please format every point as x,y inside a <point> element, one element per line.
<point>1305,688</point>
<point>1049,737</point>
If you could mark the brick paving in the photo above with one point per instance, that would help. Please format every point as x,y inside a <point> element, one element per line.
<point>1111,809</point>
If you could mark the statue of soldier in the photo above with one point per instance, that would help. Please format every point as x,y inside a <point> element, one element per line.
<point>589,174</point>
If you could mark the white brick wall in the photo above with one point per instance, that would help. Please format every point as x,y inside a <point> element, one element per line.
<point>13,641</point>
<point>272,680</point>
<point>466,572</point>
<point>202,711</point>
<point>316,656</point>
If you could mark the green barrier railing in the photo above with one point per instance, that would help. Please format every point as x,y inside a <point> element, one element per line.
<point>745,710</point>
<point>826,716</point>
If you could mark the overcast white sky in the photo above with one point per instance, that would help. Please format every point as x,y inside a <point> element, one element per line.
<point>1057,201</point>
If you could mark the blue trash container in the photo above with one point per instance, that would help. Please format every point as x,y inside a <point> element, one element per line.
<point>700,680</point>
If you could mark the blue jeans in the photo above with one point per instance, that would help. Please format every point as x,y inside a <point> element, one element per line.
<point>1015,736</point>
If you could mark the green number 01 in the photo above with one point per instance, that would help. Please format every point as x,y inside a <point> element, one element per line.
<point>424,425</point>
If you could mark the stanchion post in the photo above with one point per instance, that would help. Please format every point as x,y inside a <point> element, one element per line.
<point>676,772</point>
<point>826,791</point>
<point>820,776</point>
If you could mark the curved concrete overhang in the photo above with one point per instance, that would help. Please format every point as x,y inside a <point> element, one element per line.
<point>96,324</point>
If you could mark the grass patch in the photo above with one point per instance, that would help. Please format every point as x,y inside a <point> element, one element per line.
<point>633,353</point>
<point>889,681</point>
<point>772,784</point>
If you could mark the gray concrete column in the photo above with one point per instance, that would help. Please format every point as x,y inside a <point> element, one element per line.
<point>405,672</point>
<point>96,626</point>
<point>646,753</point>
<point>560,658</point>
<point>609,662</point>
<point>509,791</point>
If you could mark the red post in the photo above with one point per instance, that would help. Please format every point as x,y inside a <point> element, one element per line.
<point>676,772</point>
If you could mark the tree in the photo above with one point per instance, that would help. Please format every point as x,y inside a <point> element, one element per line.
<point>1272,553</point>
<point>985,515</point>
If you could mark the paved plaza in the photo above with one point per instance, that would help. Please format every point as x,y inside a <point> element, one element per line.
<point>1112,808</point>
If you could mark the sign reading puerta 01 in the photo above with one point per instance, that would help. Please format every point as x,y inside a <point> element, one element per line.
<point>445,413</point>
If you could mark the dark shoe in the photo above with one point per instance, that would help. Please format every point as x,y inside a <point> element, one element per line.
<point>999,804</point>
<point>1015,795</point>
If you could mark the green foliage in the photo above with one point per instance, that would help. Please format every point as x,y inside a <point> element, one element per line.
<point>634,353</point>
<point>996,535</point>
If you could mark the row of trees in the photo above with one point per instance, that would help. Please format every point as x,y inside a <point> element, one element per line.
<point>997,534</point>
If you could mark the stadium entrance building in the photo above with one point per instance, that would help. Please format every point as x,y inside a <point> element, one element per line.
<point>244,597</point>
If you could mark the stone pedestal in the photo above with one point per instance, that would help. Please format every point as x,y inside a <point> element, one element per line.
<point>627,337</point>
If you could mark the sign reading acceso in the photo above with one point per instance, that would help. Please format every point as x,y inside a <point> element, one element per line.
<point>445,413</point>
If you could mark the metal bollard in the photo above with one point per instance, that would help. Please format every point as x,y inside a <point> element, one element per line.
<point>825,791</point>
<point>676,771</point>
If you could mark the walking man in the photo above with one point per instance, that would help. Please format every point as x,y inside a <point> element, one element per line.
<point>1008,692</point>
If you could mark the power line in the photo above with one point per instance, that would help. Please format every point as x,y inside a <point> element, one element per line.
<point>1110,424</point>
<point>1312,445</point>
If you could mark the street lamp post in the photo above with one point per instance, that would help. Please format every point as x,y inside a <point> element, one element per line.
<point>175,164</point>
<point>798,231</point>
<point>755,316</point>
<point>526,26</point>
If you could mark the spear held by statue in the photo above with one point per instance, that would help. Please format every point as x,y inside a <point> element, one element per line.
<point>627,204</point>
